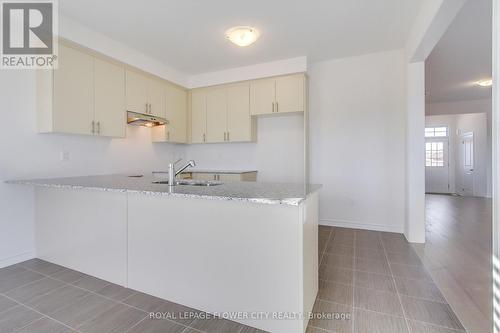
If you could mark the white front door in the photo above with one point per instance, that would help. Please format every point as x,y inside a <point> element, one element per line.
<point>437,178</point>
<point>466,188</point>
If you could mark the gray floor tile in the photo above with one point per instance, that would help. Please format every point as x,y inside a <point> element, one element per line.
<point>418,327</point>
<point>178,313</point>
<point>419,288</point>
<point>144,302</point>
<point>374,281</point>
<point>375,244</point>
<point>410,271</point>
<point>35,289</point>
<point>115,292</point>
<point>337,261</point>
<point>394,247</point>
<point>116,319</point>
<point>6,303</point>
<point>11,270</point>
<point>216,325</point>
<point>91,283</point>
<point>407,258</point>
<point>335,292</point>
<point>371,322</point>
<point>367,253</point>
<point>372,266</point>
<point>156,326</point>
<point>316,330</point>
<point>57,299</point>
<point>380,301</point>
<point>334,274</point>
<point>333,248</point>
<point>343,241</point>
<point>42,266</point>
<point>20,278</point>
<point>68,275</point>
<point>45,325</point>
<point>332,317</point>
<point>248,329</point>
<point>83,310</point>
<point>431,312</point>
<point>17,317</point>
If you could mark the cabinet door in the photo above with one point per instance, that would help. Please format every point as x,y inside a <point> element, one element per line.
<point>216,115</point>
<point>176,101</point>
<point>136,92</point>
<point>74,92</point>
<point>262,96</point>
<point>290,93</point>
<point>198,116</point>
<point>239,122</point>
<point>156,97</point>
<point>109,87</point>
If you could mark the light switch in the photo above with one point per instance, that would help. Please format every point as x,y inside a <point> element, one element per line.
<point>65,155</point>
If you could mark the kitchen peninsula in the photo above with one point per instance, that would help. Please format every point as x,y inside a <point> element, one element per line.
<point>239,247</point>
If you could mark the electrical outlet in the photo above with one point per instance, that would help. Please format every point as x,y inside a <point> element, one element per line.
<point>65,156</point>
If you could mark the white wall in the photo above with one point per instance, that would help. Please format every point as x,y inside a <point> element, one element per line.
<point>357,140</point>
<point>25,154</point>
<point>278,155</point>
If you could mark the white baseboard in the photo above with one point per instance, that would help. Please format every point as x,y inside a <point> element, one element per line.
<point>359,225</point>
<point>4,262</point>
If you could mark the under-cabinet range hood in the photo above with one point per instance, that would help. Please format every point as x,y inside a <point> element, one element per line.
<point>141,119</point>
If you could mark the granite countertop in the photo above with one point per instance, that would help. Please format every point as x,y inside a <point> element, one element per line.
<point>194,170</point>
<point>265,193</point>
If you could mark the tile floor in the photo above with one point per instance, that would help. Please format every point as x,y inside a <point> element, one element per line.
<point>379,285</point>
<point>370,282</point>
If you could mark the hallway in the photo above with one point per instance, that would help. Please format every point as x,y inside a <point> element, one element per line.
<point>457,254</point>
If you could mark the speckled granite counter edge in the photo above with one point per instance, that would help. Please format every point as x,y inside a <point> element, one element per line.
<point>287,201</point>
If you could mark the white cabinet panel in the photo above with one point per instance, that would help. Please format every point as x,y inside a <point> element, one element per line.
<point>109,87</point>
<point>156,97</point>
<point>137,92</point>
<point>262,96</point>
<point>176,114</point>
<point>73,92</point>
<point>290,93</point>
<point>239,122</point>
<point>216,115</point>
<point>198,116</point>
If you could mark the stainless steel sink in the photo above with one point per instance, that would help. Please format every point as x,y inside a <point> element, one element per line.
<point>190,182</point>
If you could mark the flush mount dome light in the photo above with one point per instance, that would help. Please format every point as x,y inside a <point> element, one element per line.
<point>485,83</point>
<point>242,35</point>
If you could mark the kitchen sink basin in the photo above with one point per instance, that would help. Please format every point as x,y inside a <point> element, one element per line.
<point>190,182</point>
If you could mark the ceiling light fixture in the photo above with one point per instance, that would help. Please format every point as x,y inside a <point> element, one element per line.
<point>485,83</point>
<point>242,35</point>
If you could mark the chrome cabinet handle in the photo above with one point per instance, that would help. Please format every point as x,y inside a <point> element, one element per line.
<point>168,135</point>
<point>277,107</point>
<point>146,107</point>
<point>150,108</point>
<point>203,137</point>
<point>273,106</point>
<point>93,126</point>
<point>99,128</point>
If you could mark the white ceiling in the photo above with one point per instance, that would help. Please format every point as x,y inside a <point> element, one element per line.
<point>462,56</point>
<point>188,35</point>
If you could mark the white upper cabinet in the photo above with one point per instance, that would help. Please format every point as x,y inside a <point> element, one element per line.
<point>262,96</point>
<point>290,93</point>
<point>85,95</point>
<point>239,122</point>
<point>198,116</point>
<point>216,115</point>
<point>278,95</point>
<point>137,92</point>
<point>176,114</point>
<point>156,97</point>
<point>145,94</point>
<point>109,90</point>
<point>73,93</point>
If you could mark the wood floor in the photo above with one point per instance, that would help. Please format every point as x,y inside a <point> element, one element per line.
<point>457,254</point>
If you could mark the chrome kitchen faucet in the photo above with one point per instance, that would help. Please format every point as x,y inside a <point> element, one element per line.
<point>172,174</point>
